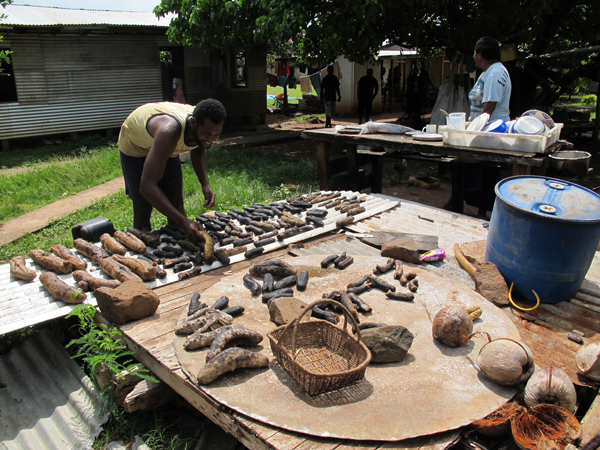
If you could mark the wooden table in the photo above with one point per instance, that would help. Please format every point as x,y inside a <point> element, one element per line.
<point>338,153</point>
<point>545,331</point>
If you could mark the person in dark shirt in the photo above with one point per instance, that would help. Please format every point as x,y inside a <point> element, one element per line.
<point>330,86</point>
<point>367,91</point>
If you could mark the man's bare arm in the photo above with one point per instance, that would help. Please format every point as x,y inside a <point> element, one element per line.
<point>198,157</point>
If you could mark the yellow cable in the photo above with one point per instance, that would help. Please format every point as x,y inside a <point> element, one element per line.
<point>518,307</point>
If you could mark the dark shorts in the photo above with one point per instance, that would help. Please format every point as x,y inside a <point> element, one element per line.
<point>171,182</point>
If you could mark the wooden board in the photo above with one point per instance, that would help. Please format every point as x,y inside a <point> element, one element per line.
<point>394,401</point>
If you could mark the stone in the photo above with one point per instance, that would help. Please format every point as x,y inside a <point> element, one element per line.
<point>388,344</point>
<point>405,249</point>
<point>474,251</point>
<point>132,300</point>
<point>284,310</point>
<point>490,283</point>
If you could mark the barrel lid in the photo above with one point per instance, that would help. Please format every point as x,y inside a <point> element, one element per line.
<point>550,197</point>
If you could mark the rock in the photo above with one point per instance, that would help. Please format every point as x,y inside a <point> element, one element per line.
<point>388,344</point>
<point>474,251</point>
<point>284,310</point>
<point>404,249</point>
<point>132,300</point>
<point>427,182</point>
<point>490,283</point>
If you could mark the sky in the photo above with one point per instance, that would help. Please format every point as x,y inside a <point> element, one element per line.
<point>112,5</point>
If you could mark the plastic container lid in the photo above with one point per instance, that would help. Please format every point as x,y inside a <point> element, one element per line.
<point>496,126</point>
<point>529,125</point>
<point>551,198</point>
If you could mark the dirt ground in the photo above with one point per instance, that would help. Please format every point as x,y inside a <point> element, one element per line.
<point>400,186</point>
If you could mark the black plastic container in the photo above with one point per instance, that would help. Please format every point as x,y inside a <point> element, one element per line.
<point>93,229</point>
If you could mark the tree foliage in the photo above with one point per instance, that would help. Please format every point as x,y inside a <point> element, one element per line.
<point>320,30</point>
<point>4,54</point>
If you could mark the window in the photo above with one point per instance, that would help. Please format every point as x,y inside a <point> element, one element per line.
<point>238,72</point>
<point>8,87</point>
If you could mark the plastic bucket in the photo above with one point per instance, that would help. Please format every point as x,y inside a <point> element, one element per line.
<point>543,235</point>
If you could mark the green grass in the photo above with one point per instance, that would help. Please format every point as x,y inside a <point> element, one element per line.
<point>296,92</point>
<point>238,177</point>
<point>54,172</point>
<point>161,428</point>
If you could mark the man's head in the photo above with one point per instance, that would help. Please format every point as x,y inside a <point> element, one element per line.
<point>488,48</point>
<point>370,72</point>
<point>330,70</point>
<point>207,121</point>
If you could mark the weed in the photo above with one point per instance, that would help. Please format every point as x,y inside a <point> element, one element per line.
<point>100,346</point>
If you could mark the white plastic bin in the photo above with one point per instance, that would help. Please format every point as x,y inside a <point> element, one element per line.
<point>502,141</point>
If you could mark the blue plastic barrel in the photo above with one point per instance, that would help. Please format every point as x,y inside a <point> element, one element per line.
<point>543,235</point>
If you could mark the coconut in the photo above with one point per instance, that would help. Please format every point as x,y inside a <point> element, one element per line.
<point>545,427</point>
<point>452,325</point>
<point>587,359</point>
<point>506,362</point>
<point>498,423</point>
<point>553,386</point>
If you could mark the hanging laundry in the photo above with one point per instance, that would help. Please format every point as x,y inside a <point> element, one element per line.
<point>282,81</point>
<point>273,80</point>
<point>336,71</point>
<point>305,86</point>
<point>282,69</point>
<point>292,81</point>
<point>315,80</point>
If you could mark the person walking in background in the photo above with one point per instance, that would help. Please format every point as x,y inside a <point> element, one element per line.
<point>330,86</point>
<point>367,91</point>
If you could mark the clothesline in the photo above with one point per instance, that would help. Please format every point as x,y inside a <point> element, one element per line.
<point>306,81</point>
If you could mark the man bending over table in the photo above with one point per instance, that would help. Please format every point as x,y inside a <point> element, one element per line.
<point>150,141</point>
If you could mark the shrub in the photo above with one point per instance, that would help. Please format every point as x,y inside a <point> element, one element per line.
<point>589,99</point>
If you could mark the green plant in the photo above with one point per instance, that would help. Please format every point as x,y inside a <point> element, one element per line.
<point>101,346</point>
<point>589,99</point>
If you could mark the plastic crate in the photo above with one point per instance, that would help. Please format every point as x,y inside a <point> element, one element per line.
<point>502,141</point>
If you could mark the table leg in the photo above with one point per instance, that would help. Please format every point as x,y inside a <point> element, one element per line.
<point>323,164</point>
<point>376,174</point>
<point>458,179</point>
<point>352,157</point>
<point>520,169</point>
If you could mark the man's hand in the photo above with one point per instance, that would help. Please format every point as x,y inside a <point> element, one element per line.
<point>192,229</point>
<point>209,196</point>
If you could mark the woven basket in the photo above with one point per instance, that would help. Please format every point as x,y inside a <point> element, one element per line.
<point>320,356</point>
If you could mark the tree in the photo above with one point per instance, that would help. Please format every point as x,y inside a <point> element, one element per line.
<point>323,29</point>
<point>4,54</point>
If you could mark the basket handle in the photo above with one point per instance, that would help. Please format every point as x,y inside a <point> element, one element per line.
<point>296,322</point>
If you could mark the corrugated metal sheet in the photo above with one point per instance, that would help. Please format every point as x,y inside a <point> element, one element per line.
<point>545,329</point>
<point>69,84</point>
<point>46,401</point>
<point>27,303</point>
<point>24,15</point>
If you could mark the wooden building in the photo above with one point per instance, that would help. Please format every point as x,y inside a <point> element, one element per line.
<point>77,70</point>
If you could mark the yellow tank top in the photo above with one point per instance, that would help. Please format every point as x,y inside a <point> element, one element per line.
<point>134,139</point>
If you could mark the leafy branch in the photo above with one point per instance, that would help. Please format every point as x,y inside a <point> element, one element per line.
<point>100,346</point>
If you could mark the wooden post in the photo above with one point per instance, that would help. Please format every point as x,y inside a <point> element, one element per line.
<point>323,164</point>
<point>597,121</point>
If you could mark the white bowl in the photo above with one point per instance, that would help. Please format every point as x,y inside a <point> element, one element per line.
<point>529,125</point>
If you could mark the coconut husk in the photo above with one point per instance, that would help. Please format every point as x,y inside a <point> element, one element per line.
<point>498,422</point>
<point>545,427</point>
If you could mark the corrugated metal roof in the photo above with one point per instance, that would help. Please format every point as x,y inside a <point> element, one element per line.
<point>25,15</point>
<point>25,303</point>
<point>46,400</point>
